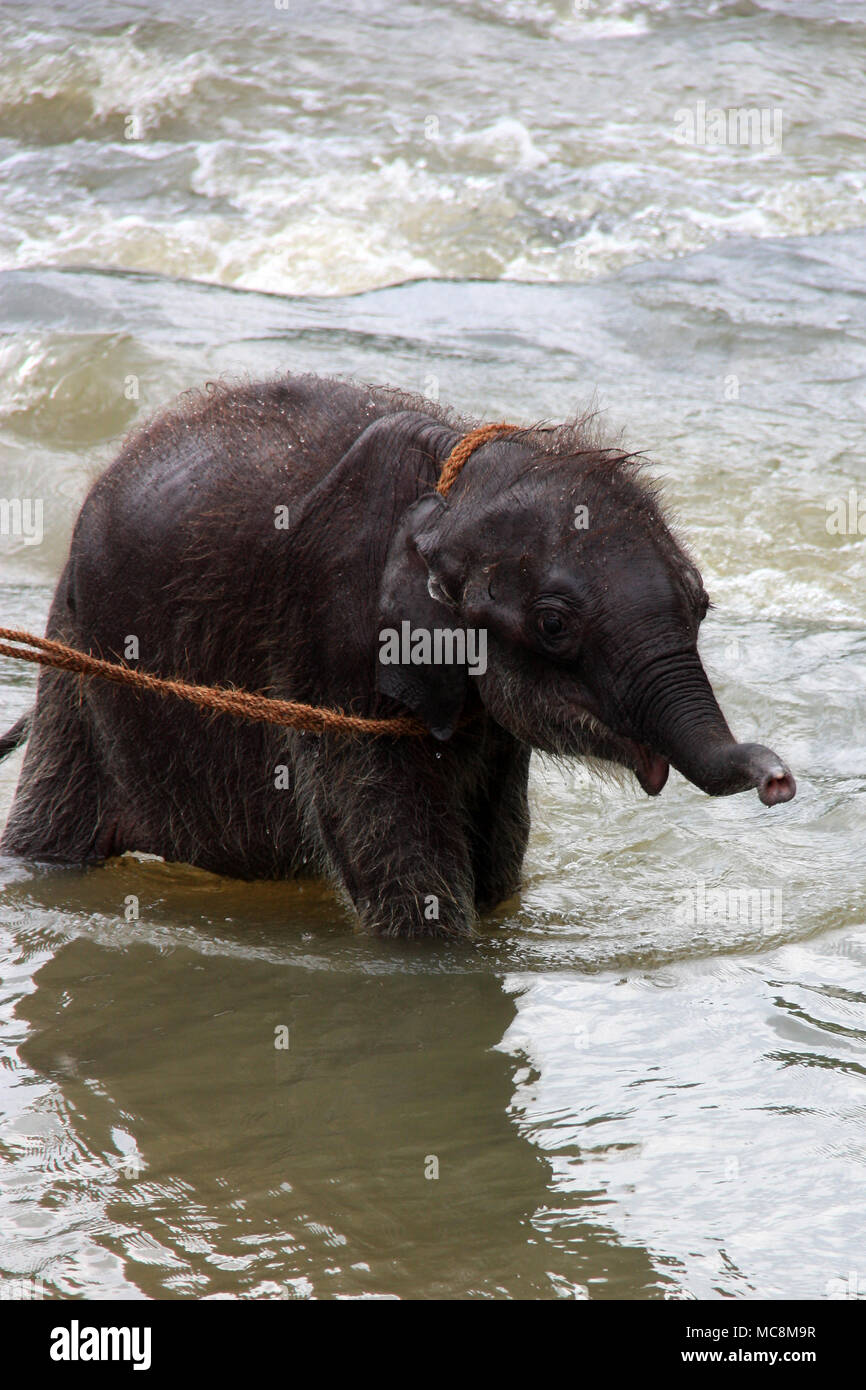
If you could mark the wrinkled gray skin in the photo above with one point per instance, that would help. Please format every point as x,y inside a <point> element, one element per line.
<point>591,635</point>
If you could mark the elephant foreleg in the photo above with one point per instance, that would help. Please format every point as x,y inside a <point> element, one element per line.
<point>394,839</point>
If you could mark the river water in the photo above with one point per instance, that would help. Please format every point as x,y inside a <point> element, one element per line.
<point>649,1079</point>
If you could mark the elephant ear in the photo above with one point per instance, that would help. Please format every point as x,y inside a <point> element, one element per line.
<point>436,693</point>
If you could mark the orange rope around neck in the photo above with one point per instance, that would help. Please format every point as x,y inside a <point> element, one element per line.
<point>461,451</point>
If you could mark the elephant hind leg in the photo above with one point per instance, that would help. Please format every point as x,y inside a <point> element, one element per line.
<point>56,812</point>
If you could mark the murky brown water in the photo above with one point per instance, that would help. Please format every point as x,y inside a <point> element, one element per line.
<point>633,1087</point>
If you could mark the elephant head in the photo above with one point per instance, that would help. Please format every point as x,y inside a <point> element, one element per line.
<point>560,555</point>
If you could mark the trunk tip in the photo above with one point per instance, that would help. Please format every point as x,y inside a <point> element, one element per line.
<point>777,785</point>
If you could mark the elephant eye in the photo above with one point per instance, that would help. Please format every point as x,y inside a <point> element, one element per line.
<point>551,624</point>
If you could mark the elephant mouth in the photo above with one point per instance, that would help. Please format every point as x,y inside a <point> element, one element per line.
<point>649,767</point>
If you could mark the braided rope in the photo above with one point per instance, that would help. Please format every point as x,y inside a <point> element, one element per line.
<point>260,709</point>
<point>461,451</point>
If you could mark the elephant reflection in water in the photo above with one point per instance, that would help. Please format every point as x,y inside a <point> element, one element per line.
<point>377,1145</point>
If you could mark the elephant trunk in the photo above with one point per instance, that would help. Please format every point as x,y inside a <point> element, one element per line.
<point>737,767</point>
<point>676,713</point>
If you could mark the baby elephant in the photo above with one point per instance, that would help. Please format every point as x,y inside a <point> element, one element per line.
<point>289,538</point>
